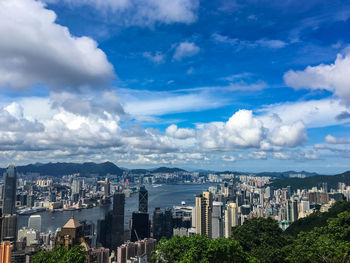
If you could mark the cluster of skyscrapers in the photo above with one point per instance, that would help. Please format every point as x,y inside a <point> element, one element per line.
<point>228,202</point>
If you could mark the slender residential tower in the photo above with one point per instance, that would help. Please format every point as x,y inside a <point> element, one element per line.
<point>9,193</point>
<point>204,206</point>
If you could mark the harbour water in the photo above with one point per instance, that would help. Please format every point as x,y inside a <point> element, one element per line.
<point>163,196</point>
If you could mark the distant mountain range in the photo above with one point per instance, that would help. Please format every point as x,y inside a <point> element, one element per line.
<point>102,169</point>
<point>59,169</point>
<point>317,180</point>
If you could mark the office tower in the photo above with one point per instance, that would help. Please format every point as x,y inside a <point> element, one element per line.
<point>5,252</point>
<point>76,186</point>
<point>217,222</point>
<point>117,230</point>
<point>158,223</point>
<point>143,199</point>
<point>139,226</point>
<point>111,229</point>
<point>9,193</point>
<point>204,203</point>
<point>325,187</point>
<point>9,228</point>
<point>107,187</point>
<point>34,222</point>
<point>231,218</point>
<point>168,223</point>
<point>30,200</point>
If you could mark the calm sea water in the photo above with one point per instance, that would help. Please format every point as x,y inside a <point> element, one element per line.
<point>165,196</point>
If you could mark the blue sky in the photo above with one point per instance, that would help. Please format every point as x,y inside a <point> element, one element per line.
<point>239,85</point>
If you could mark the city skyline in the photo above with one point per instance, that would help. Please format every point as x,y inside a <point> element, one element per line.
<point>229,85</point>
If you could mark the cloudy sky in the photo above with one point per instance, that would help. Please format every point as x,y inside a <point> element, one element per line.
<point>240,85</point>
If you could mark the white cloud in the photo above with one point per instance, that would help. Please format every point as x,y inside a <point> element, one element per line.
<point>281,156</point>
<point>244,130</point>
<point>238,43</point>
<point>313,113</point>
<point>333,77</point>
<point>228,158</point>
<point>289,135</point>
<point>185,50</point>
<point>141,102</point>
<point>34,49</point>
<point>142,12</point>
<point>333,140</point>
<point>179,133</point>
<point>157,58</point>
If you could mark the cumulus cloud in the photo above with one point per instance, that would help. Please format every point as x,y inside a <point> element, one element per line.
<point>289,135</point>
<point>105,104</point>
<point>143,12</point>
<point>333,140</point>
<point>244,130</point>
<point>313,113</point>
<point>179,133</point>
<point>36,50</point>
<point>334,77</point>
<point>185,50</point>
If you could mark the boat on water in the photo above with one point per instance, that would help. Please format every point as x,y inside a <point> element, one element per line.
<point>30,211</point>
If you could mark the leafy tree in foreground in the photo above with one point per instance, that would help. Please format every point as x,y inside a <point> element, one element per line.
<point>323,244</point>
<point>60,254</point>
<point>200,249</point>
<point>262,238</point>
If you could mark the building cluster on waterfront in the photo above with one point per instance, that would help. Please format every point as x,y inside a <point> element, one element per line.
<point>229,202</point>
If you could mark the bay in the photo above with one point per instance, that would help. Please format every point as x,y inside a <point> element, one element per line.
<point>163,196</point>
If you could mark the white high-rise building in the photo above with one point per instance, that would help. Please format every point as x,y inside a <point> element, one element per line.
<point>34,222</point>
<point>231,218</point>
<point>204,205</point>
<point>31,235</point>
<point>217,220</point>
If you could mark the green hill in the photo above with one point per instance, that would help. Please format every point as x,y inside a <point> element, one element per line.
<point>309,182</point>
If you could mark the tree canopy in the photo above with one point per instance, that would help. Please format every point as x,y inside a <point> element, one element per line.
<point>200,249</point>
<point>60,254</point>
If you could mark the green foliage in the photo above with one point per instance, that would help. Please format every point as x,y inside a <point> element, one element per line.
<point>200,249</point>
<point>262,238</point>
<point>326,239</point>
<point>317,219</point>
<point>330,243</point>
<point>60,254</point>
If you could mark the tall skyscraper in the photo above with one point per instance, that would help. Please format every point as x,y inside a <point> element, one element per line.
<point>111,229</point>
<point>158,223</point>
<point>139,226</point>
<point>76,186</point>
<point>5,252</point>
<point>107,187</point>
<point>204,203</point>
<point>9,228</point>
<point>231,218</point>
<point>143,199</point>
<point>162,223</point>
<point>34,222</point>
<point>217,222</point>
<point>9,193</point>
